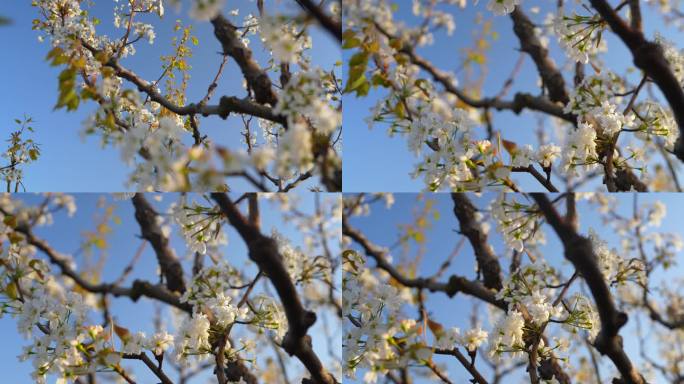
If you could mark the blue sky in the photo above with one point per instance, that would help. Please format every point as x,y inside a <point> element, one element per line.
<point>65,236</point>
<point>378,163</point>
<point>441,239</point>
<point>70,164</point>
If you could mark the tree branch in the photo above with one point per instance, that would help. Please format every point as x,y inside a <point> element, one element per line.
<point>256,78</point>
<point>486,260</point>
<point>154,368</point>
<point>477,377</point>
<point>138,289</point>
<point>170,266</point>
<point>454,285</point>
<point>330,24</point>
<point>520,100</point>
<point>226,106</point>
<point>649,57</point>
<point>551,76</point>
<point>264,252</point>
<point>579,251</point>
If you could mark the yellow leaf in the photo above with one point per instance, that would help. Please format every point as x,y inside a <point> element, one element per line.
<point>510,146</point>
<point>123,333</point>
<point>11,291</point>
<point>15,237</point>
<point>436,328</point>
<point>100,243</point>
<point>10,221</point>
<point>33,266</point>
<point>102,57</point>
<point>80,63</point>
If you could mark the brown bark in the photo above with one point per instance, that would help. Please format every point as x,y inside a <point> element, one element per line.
<point>264,252</point>
<point>170,266</point>
<point>487,262</point>
<point>579,251</point>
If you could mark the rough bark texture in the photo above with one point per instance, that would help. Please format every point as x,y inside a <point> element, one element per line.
<point>455,284</point>
<point>170,266</point>
<point>264,252</point>
<point>487,262</point>
<point>551,76</point>
<point>226,106</point>
<point>330,24</point>
<point>256,78</point>
<point>648,56</point>
<point>579,251</point>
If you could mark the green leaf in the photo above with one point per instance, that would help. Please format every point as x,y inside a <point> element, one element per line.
<point>379,80</point>
<point>11,291</point>
<point>351,43</point>
<point>363,89</point>
<point>100,243</point>
<point>10,221</point>
<point>355,83</point>
<point>399,110</point>
<point>359,59</point>
<point>15,237</point>
<point>348,33</point>
<point>67,94</point>
<point>54,52</point>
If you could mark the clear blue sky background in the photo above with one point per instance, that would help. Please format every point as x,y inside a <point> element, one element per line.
<point>67,162</point>
<point>65,236</point>
<point>379,163</point>
<point>381,228</point>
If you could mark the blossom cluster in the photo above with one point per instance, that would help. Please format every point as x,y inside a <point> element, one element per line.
<point>200,225</point>
<point>21,151</point>
<point>152,139</point>
<point>54,318</point>
<point>379,336</point>
<point>580,36</point>
<point>604,129</point>
<point>59,315</point>
<point>540,312</point>
<point>517,222</point>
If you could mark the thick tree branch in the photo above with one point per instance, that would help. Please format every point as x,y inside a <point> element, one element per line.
<point>138,289</point>
<point>635,14</point>
<point>454,285</point>
<point>487,262</point>
<point>579,251</point>
<point>170,266</point>
<point>237,370</point>
<point>151,365</point>
<point>649,57</point>
<point>520,100</point>
<point>226,106</point>
<point>264,252</point>
<point>551,76</point>
<point>477,376</point>
<point>256,78</point>
<point>332,25</point>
